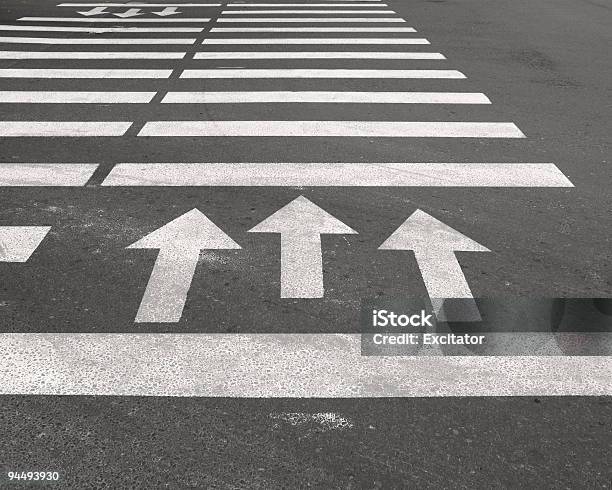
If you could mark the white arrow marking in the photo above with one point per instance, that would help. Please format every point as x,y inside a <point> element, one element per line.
<point>179,243</point>
<point>434,245</point>
<point>94,11</point>
<point>129,13</point>
<point>17,243</point>
<point>301,224</point>
<point>167,11</point>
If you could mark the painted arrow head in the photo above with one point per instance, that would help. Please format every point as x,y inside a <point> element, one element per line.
<point>191,231</point>
<point>302,216</point>
<point>423,232</point>
<point>17,243</point>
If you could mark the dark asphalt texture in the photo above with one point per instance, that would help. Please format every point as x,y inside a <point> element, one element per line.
<point>546,66</point>
<point>113,442</point>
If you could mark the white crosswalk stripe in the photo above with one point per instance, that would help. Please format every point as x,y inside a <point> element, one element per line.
<point>104,40</point>
<point>318,73</point>
<point>220,55</point>
<point>316,40</point>
<point>340,174</point>
<point>62,128</point>
<point>114,20</point>
<point>313,29</point>
<point>82,73</point>
<point>69,97</point>
<point>286,20</point>
<point>89,55</point>
<point>98,30</point>
<point>382,129</point>
<point>346,97</point>
<point>45,174</point>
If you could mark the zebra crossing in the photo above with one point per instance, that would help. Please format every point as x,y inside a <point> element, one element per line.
<point>251,73</point>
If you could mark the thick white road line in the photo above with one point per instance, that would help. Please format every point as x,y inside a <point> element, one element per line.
<point>364,129</point>
<point>307,5</point>
<point>326,97</point>
<point>286,20</point>
<point>46,174</point>
<point>81,73</point>
<point>318,73</point>
<point>265,366</point>
<point>98,30</point>
<point>338,174</point>
<point>113,20</point>
<point>316,40</point>
<point>42,97</point>
<point>136,4</point>
<point>90,55</point>
<point>100,40</point>
<point>313,29</point>
<point>308,11</point>
<point>297,55</point>
<point>62,128</point>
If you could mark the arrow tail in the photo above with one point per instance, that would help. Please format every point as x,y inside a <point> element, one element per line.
<point>301,266</point>
<point>166,292</point>
<point>442,275</point>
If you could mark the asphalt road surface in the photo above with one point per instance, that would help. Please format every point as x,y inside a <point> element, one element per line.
<point>248,174</point>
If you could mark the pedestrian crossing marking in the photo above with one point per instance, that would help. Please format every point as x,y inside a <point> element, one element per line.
<point>82,73</point>
<point>362,129</point>
<point>318,73</point>
<point>90,55</point>
<point>98,30</point>
<point>313,29</point>
<point>80,40</point>
<point>325,97</point>
<point>62,128</point>
<point>156,20</point>
<point>390,55</point>
<point>286,20</point>
<point>375,174</point>
<point>315,40</point>
<point>46,174</point>
<point>47,97</point>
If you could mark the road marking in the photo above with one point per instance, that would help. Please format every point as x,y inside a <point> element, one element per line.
<point>114,20</point>
<point>94,11</point>
<point>68,97</point>
<point>326,174</point>
<point>46,174</point>
<point>326,97</point>
<point>129,13</point>
<point>99,30</point>
<point>179,243</point>
<point>313,29</point>
<point>62,128</point>
<point>307,5</point>
<point>265,366</point>
<point>364,129</point>
<point>364,55</point>
<point>18,243</point>
<point>318,73</point>
<point>300,225</point>
<point>136,4</point>
<point>89,55</point>
<point>315,40</point>
<point>434,245</point>
<point>99,40</point>
<point>81,73</point>
<point>308,11</point>
<point>286,20</point>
